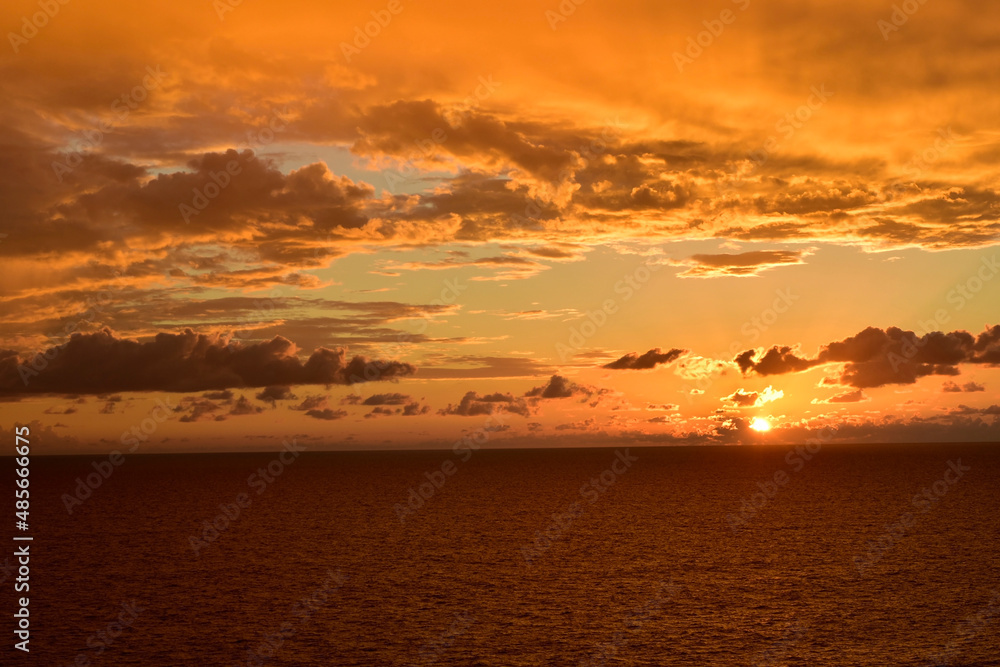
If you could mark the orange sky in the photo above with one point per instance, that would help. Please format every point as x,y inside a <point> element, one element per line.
<point>549,224</point>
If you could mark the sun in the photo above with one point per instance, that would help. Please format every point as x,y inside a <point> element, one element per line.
<point>760,424</point>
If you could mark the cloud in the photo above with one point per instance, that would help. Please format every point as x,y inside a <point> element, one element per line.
<point>415,409</point>
<point>483,367</point>
<point>776,361</point>
<point>856,396</point>
<point>695,367</point>
<point>509,267</point>
<point>197,409</point>
<point>326,414</point>
<point>412,409</point>
<point>993,410</point>
<point>244,407</point>
<point>380,411</point>
<point>276,393</point>
<point>876,357</point>
<point>44,435</point>
<point>586,425</point>
<point>101,362</point>
<point>745,399</point>
<point>560,387</point>
<point>386,399</point>
<point>60,410</point>
<point>741,264</point>
<point>311,403</point>
<point>472,405</point>
<point>651,359</point>
<point>951,387</point>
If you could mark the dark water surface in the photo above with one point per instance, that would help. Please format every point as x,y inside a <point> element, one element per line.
<point>649,565</point>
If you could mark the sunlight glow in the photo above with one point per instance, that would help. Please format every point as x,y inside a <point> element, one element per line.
<point>760,424</point>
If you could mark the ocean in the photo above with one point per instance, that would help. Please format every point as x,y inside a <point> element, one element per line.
<point>843,555</point>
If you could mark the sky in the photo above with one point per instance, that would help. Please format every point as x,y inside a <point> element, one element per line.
<point>227,225</point>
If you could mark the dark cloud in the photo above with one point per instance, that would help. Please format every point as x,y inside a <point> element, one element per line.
<point>412,409</point>
<point>741,264</point>
<point>876,357</point>
<point>197,409</point>
<point>225,395</point>
<point>553,252</point>
<point>386,399</point>
<point>326,414</point>
<point>402,127</point>
<point>483,367</point>
<point>651,359</point>
<point>311,403</point>
<point>244,407</point>
<point>53,410</point>
<point>101,362</point>
<point>951,387</point>
<point>742,399</point>
<point>776,361</point>
<point>472,405</point>
<point>745,399</point>
<point>276,393</point>
<point>43,433</point>
<point>558,387</point>
<point>585,425</point>
<point>993,410</point>
<point>856,396</point>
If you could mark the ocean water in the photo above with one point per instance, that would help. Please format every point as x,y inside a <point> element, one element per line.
<point>635,556</point>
